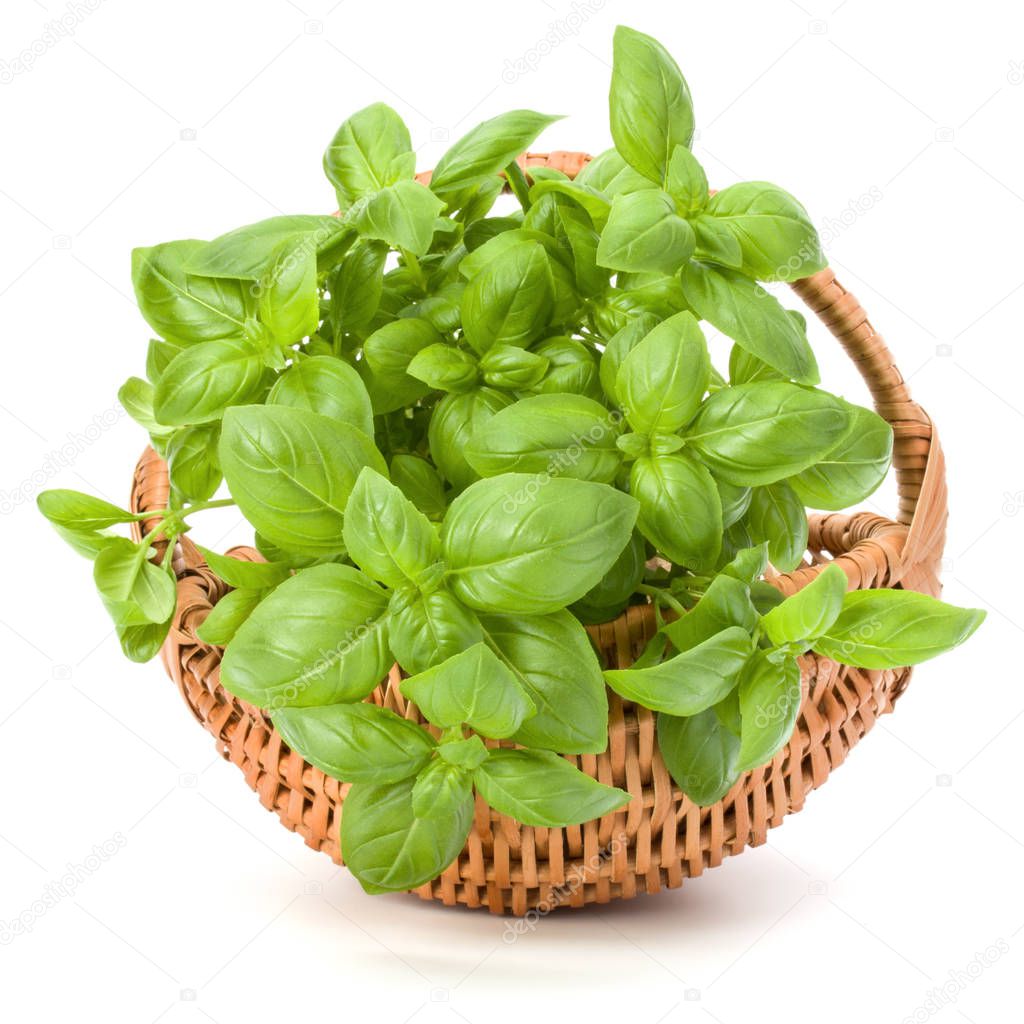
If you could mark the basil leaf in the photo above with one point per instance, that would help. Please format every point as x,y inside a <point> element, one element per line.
<point>238,573</point>
<point>774,232</point>
<point>715,242</point>
<point>735,502</point>
<point>515,545</point>
<point>388,848</point>
<point>510,301</point>
<point>880,629</point>
<point>644,233</point>
<point>420,483</point>
<point>741,309</point>
<point>852,470</point>
<point>440,790</point>
<point>136,396</point>
<point>401,214</point>
<point>701,755</point>
<point>756,434</point>
<point>725,604</point>
<point>505,366</point>
<point>84,542</point>
<point>572,368</point>
<point>777,516</point>
<point>609,173</point>
<point>74,510</point>
<point>748,564</point>
<point>427,629</point>
<point>388,352</point>
<point>468,753</point>
<point>385,534</point>
<point>327,386</point>
<point>191,455</point>
<point>203,380</point>
<point>651,110</point>
<point>663,378</point>
<point>289,303</point>
<point>745,368</point>
<point>769,696</point>
<point>227,616</point>
<point>542,789</point>
<point>453,424</point>
<point>686,182</point>
<point>593,205</point>
<point>355,286</point>
<point>805,615</point>
<point>124,575</point>
<point>444,368</point>
<point>606,599</point>
<point>140,642</point>
<point>246,252</point>
<point>318,638</point>
<point>473,688</point>
<point>291,473</point>
<point>370,150</point>
<point>187,307</point>
<point>158,356</point>
<point>554,662</point>
<point>356,742</point>
<point>564,435</point>
<point>487,149</point>
<point>621,343</point>
<point>691,681</point>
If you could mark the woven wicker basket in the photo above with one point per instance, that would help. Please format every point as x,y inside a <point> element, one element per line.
<point>660,838</point>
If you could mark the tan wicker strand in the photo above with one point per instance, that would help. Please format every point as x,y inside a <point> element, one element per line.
<point>660,838</point>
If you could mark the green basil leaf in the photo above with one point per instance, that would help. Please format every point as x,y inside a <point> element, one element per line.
<point>356,742</point>
<point>651,110</point>
<point>467,753</point>
<point>318,638</point>
<point>715,242</point>
<point>136,397</point>
<point>124,575</point>
<point>247,252</point>
<point>519,543</point>
<point>852,470</point>
<point>205,379</point>
<point>805,615</point>
<point>192,461</point>
<point>621,343</point>
<point>388,352</point>
<point>510,301</point>
<point>291,473</point>
<point>440,790</point>
<point>724,605</point>
<point>158,357</point>
<point>445,368</point>
<point>691,681</point>
<point>289,302</point>
<point>680,510</point>
<point>401,214</point>
<point>77,511</point>
<point>745,368</point>
<point>355,287</point>
<point>370,150</point>
<point>186,307</point>
<point>609,173</point>
<point>384,532</point>
<point>880,629</point>
<point>474,688</point>
<point>777,516</point>
<point>84,542</point>
<point>505,366</point>
<point>487,149</point>
<point>686,182</point>
<point>328,386</point>
<point>244,574</point>
<point>553,660</point>
<point>591,201</point>
<point>769,696</point>
<point>427,629</point>
<point>453,424</point>
<point>606,599</point>
<point>572,369</point>
<point>742,310</point>
<point>774,232</point>
<point>563,435</point>
<point>227,616</point>
<point>388,848</point>
<point>748,564</point>
<point>644,233</point>
<point>735,502</point>
<point>542,789</point>
<point>420,483</point>
<point>701,754</point>
<point>663,378</point>
<point>756,434</point>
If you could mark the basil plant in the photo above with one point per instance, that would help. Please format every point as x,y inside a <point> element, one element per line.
<point>459,435</point>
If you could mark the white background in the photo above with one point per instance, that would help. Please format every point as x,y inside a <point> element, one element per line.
<point>898,125</point>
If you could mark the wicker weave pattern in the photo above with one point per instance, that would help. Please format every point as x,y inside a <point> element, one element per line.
<point>660,837</point>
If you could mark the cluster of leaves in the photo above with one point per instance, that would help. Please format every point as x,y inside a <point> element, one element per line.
<point>460,435</point>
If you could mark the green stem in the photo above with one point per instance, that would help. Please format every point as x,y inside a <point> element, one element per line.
<point>519,185</point>
<point>659,595</point>
<point>414,265</point>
